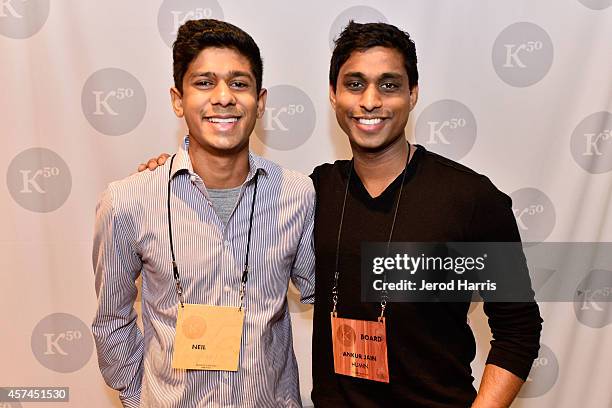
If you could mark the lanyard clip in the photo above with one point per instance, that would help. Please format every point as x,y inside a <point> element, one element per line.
<point>179,292</point>
<point>177,281</point>
<point>383,305</point>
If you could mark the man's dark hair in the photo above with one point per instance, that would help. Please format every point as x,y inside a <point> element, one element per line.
<point>195,35</point>
<point>361,37</point>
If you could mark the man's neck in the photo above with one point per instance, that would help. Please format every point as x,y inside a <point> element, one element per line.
<point>377,170</point>
<point>219,171</point>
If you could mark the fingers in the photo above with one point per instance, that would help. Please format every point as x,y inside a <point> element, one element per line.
<point>152,164</point>
<point>162,158</point>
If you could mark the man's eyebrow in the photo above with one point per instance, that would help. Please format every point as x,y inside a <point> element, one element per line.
<point>234,74</point>
<point>383,77</point>
<point>230,74</point>
<point>355,74</point>
<point>391,75</point>
<point>207,74</point>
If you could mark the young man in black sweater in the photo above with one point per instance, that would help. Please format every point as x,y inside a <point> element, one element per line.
<point>392,190</point>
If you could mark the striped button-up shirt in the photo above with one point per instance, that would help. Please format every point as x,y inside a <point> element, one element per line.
<point>131,239</point>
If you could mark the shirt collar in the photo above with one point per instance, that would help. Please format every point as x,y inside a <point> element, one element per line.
<point>182,162</point>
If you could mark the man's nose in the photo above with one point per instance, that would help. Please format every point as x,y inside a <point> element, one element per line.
<point>222,95</point>
<point>370,98</point>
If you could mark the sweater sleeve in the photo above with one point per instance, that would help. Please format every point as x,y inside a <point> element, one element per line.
<point>515,326</point>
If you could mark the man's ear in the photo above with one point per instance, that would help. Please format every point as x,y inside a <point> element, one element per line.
<point>332,97</point>
<point>177,102</point>
<point>414,96</point>
<point>261,102</point>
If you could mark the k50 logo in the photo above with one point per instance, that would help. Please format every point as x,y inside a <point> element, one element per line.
<point>62,342</point>
<point>535,214</point>
<point>174,13</point>
<point>103,106</point>
<point>39,180</point>
<point>289,119</point>
<point>512,53</point>
<point>447,127</point>
<point>113,101</point>
<point>593,298</point>
<point>591,143</point>
<point>522,54</point>
<point>21,19</point>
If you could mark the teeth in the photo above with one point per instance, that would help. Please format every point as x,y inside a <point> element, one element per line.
<point>374,121</point>
<point>222,120</point>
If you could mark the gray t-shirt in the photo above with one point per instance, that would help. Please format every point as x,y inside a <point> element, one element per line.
<point>224,200</point>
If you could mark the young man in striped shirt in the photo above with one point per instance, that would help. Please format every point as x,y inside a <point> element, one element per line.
<point>216,228</point>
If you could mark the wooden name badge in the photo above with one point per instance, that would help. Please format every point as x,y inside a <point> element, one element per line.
<point>360,348</point>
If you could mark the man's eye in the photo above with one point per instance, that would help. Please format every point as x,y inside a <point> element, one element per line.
<point>389,86</point>
<point>240,85</point>
<point>353,85</point>
<point>204,83</point>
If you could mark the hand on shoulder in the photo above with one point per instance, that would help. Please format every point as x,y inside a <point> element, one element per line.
<point>153,162</point>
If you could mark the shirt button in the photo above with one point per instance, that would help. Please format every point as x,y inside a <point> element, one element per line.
<point>225,375</point>
<point>227,288</point>
<point>192,178</point>
<point>226,242</point>
<point>210,203</point>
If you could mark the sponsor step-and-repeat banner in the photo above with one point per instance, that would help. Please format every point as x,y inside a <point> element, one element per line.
<point>520,91</point>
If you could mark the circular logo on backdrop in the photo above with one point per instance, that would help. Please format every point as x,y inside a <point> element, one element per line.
<point>113,101</point>
<point>62,342</point>
<point>289,119</point>
<point>522,54</point>
<point>174,13</point>
<point>360,14</point>
<point>596,4</point>
<point>535,214</point>
<point>447,127</point>
<point>21,19</point>
<point>591,143</point>
<point>39,180</point>
<point>592,299</point>
<point>543,375</point>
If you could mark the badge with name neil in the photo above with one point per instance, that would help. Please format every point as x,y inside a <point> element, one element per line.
<point>207,337</point>
<point>360,348</point>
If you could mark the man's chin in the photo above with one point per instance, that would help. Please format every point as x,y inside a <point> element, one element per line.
<point>221,145</point>
<point>378,142</point>
<point>231,149</point>
<point>367,144</point>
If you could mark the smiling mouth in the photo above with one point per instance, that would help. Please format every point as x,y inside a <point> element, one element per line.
<point>369,121</point>
<point>222,120</point>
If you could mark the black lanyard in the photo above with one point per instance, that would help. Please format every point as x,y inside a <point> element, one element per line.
<point>245,272</point>
<point>383,298</point>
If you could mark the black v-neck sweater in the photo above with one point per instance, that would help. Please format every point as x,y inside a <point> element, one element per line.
<point>430,345</point>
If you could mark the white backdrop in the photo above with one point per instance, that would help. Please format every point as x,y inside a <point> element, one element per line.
<point>519,90</point>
